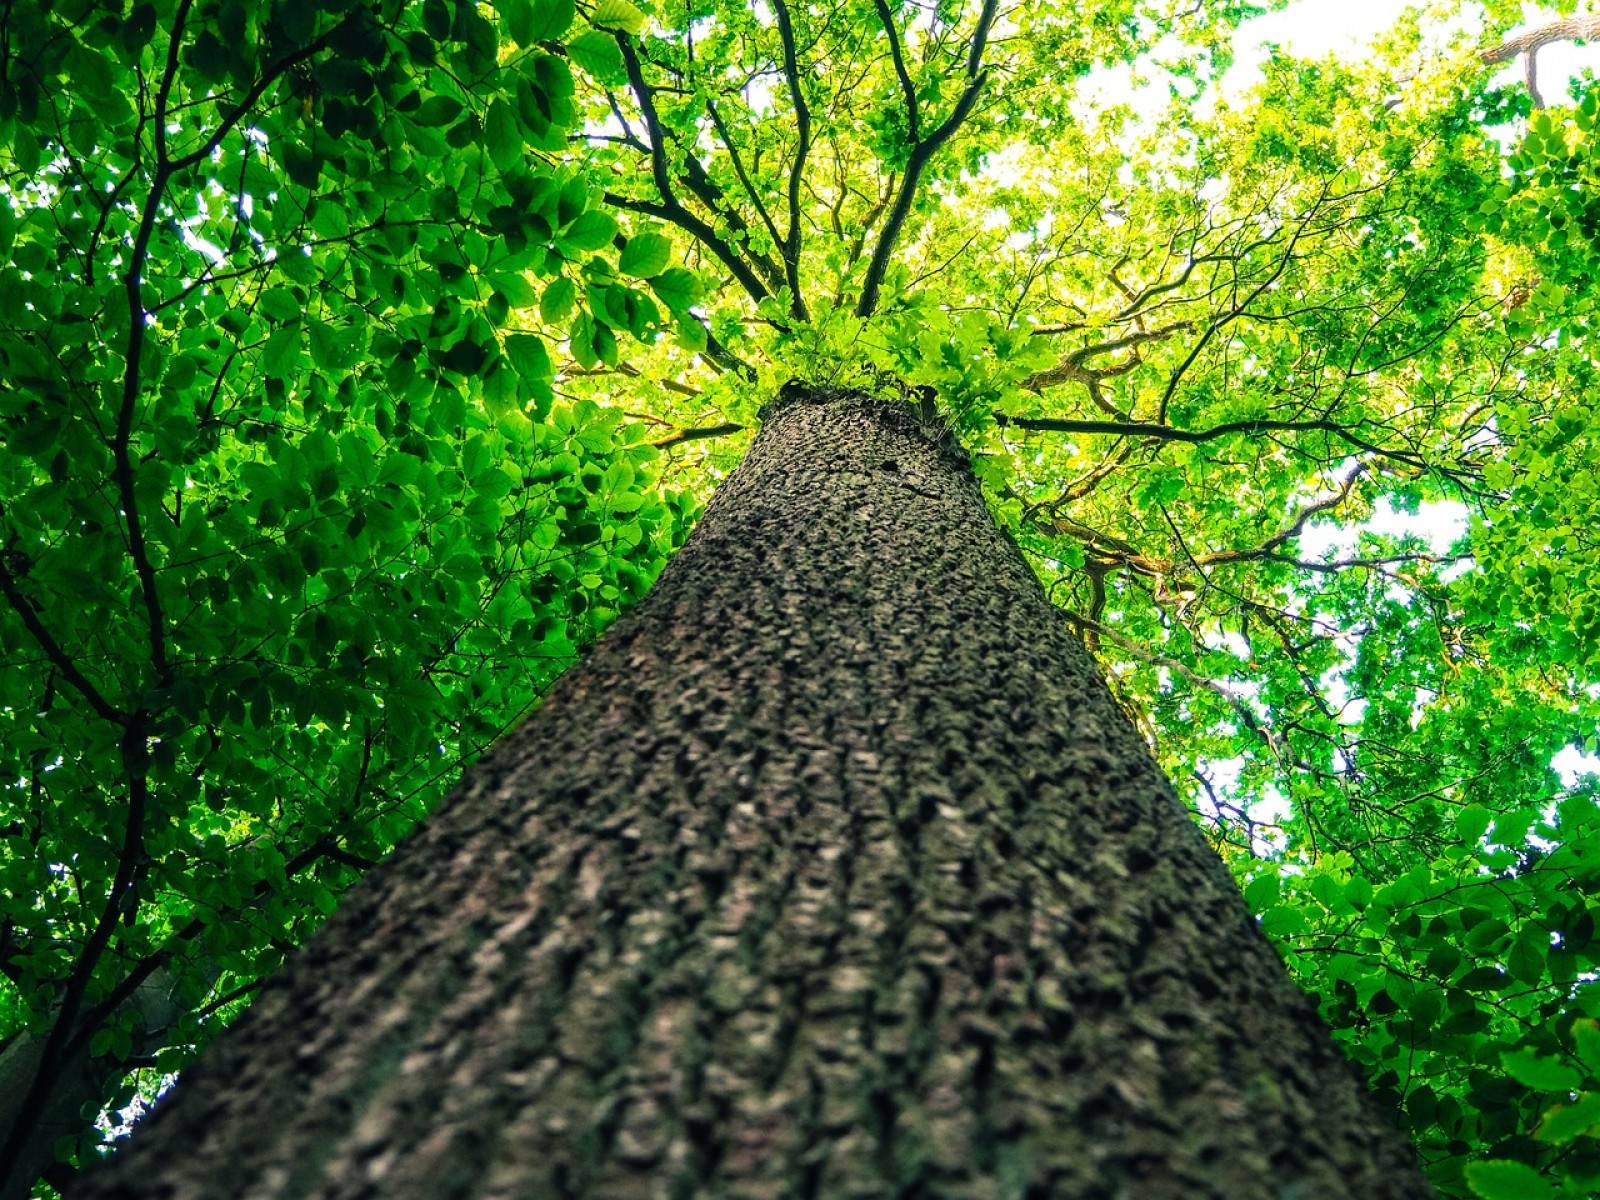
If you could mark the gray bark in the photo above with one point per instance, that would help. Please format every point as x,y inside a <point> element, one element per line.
<point>833,871</point>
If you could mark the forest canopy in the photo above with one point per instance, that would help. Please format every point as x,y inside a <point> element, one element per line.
<point>362,361</point>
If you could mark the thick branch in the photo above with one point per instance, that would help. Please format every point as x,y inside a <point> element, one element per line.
<point>1530,40</point>
<point>921,153</point>
<point>694,177</point>
<point>689,435</point>
<point>670,208</point>
<point>1167,433</point>
<point>907,88</point>
<point>1073,367</point>
<point>120,902</point>
<point>802,123</point>
<point>676,214</point>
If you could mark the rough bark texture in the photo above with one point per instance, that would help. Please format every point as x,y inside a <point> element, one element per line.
<point>833,871</point>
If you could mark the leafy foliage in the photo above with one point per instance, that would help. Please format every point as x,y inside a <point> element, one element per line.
<point>362,360</point>
<point>294,523</point>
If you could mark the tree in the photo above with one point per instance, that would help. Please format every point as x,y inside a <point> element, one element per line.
<point>297,471</point>
<point>833,870</point>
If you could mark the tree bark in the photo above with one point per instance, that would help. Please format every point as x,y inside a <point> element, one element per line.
<point>833,871</point>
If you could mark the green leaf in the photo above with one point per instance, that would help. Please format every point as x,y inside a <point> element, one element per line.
<point>598,54</point>
<point>1284,921</point>
<point>1586,1033</point>
<point>1503,1179</point>
<point>605,345</point>
<point>1526,960</point>
<point>529,356</point>
<point>281,304</point>
<point>580,339</point>
<point>645,255</point>
<point>336,349</point>
<point>1472,822</point>
<point>139,28</point>
<point>280,357</point>
<point>619,15</point>
<point>438,110</point>
<point>559,297</point>
<point>1262,891</point>
<point>1541,1072</point>
<point>519,293</point>
<point>1564,1123</point>
<point>590,231</point>
<point>503,136</point>
<point>677,288</point>
<point>530,21</point>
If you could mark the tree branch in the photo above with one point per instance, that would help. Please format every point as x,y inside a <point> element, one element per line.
<point>1291,530</point>
<point>1571,29</point>
<point>907,88</point>
<point>1529,42</point>
<point>802,121</point>
<point>670,208</point>
<point>676,214</point>
<point>120,904</point>
<point>53,649</point>
<point>921,152</point>
<point>1194,436</point>
<point>739,170</point>
<point>689,435</point>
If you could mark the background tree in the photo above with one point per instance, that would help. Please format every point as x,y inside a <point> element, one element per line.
<point>1175,354</point>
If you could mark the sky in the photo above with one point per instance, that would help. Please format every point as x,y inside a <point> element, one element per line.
<point>1314,28</point>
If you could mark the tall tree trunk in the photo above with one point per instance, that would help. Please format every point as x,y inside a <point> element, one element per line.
<point>833,871</point>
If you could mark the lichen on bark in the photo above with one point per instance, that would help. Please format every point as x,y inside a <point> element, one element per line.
<point>833,871</point>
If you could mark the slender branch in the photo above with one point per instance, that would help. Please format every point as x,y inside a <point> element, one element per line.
<point>324,847</point>
<point>53,649</point>
<point>921,153</point>
<point>739,170</point>
<point>670,208</point>
<point>1372,564</point>
<point>1238,310</point>
<point>1194,436</point>
<point>241,110</point>
<point>907,88</point>
<point>122,459</point>
<point>1292,530</point>
<point>1238,703</point>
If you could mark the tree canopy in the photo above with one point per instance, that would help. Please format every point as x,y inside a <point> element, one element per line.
<point>361,361</point>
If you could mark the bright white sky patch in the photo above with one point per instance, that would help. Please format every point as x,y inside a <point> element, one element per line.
<point>1439,523</point>
<point>1570,763</point>
<point>1344,28</point>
